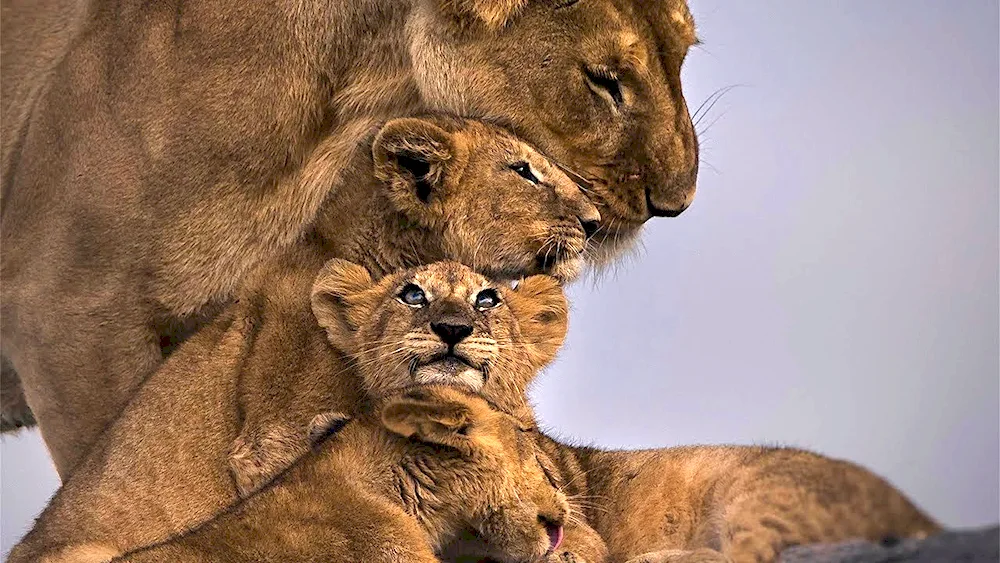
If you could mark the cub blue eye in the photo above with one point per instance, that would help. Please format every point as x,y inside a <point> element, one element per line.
<point>412,295</point>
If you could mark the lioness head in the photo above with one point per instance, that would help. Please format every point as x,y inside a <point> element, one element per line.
<point>495,202</point>
<point>442,323</point>
<point>595,84</point>
<point>494,484</point>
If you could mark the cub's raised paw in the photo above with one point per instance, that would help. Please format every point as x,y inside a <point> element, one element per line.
<point>260,453</point>
<point>703,555</point>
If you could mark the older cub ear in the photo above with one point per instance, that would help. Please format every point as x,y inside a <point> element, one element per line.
<point>338,301</point>
<point>412,157</point>
<point>542,312</point>
<point>492,14</point>
<point>438,415</point>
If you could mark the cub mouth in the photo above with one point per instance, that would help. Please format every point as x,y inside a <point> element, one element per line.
<point>448,368</point>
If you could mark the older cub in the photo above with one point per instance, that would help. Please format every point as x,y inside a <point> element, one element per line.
<point>395,487</point>
<point>164,466</point>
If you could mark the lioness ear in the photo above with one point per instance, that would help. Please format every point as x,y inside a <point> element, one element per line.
<point>541,310</point>
<point>337,301</point>
<point>438,416</point>
<point>492,14</point>
<point>411,156</point>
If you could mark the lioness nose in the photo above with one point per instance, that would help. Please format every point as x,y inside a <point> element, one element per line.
<point>450,333</point>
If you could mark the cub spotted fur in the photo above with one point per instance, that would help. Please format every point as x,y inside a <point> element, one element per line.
<point>418,190</point>
<point>166,463</point>
<point>163,150</point>
<point>391,488</point>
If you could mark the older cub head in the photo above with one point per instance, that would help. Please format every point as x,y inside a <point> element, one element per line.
<point>442,323</point>
<point>495,202</point>
<point>487,477</point>
<point>594,84</point>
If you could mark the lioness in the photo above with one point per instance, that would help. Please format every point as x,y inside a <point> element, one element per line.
<point>153,153</point>
<point>166,463</point>
<point>395,488</point>
<point>416,191</point>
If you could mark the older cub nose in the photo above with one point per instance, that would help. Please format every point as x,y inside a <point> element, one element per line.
<point>451,333</point>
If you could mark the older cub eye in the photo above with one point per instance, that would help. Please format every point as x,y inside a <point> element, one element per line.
<point>412,295</point>
<point>524,171</point>
<point>487,299</point>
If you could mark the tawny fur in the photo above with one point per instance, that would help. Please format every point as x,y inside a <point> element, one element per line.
<point>392,490</point>
<point>165,464</point>
<point>163,150</point>
<point>376,218</point>
<point>733,504</point>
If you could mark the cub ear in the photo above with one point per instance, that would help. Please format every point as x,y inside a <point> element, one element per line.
<point>411,156</point>
<point>438,415</point>
<point>492,14</point>
<point>542,312</point>
<point>338,301</point>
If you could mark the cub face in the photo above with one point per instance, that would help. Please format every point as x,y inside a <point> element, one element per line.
<point>594,84</point>
<point>442,323</point>
<point>494,482</point>
<point>495,202</point>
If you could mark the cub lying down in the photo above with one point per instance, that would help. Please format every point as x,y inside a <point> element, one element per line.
<point>164,466</point>
<point>727,504</point>
<point>393,488</point>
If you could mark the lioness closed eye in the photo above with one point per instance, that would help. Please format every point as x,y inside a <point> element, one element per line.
<point>393,488</point>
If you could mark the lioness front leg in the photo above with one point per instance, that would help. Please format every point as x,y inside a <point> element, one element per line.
<point>80,368</point>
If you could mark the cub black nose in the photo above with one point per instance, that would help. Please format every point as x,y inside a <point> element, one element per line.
<point>589,227</point>
<point>450,333</point>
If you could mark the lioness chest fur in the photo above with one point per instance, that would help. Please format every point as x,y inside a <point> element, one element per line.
<point>163,150</point>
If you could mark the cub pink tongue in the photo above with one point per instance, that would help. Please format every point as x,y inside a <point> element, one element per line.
<point>555,537</point>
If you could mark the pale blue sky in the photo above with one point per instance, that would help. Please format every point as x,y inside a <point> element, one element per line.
<point>834,286</point>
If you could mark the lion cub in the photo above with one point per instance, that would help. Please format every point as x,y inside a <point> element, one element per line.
<point>395,484</point>
<point>166,463</point>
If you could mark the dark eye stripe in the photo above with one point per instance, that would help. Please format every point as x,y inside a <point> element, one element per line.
<point>524,170</point>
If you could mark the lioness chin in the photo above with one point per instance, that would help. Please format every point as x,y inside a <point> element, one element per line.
<point>162,151</point>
